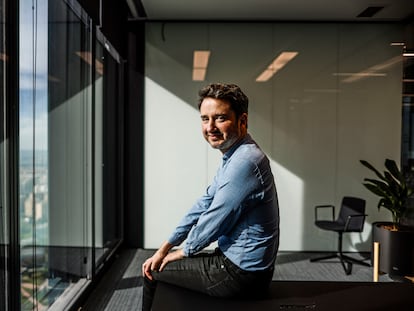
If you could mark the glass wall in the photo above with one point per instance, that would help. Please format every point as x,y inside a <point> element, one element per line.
<point>108,133</point>
<point>3,57</point>
<point>33,173</point>
<point>68,194</point>
<point>336,102</point>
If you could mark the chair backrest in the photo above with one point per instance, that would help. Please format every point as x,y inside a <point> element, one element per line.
<point>352,206</point>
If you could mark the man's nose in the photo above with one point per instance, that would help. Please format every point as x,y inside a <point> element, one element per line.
<point>211,125</point>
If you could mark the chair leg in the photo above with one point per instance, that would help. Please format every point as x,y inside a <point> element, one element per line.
<point>330,256</point>
<point>349,260</point>
<point>345,260</point>
<point>345,264</point>
<point>356,261</point>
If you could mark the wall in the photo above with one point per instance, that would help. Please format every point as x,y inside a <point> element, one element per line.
<point>337,102</point>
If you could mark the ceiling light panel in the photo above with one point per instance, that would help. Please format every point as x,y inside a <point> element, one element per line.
<point>200,64</point>
<point>201,59</point>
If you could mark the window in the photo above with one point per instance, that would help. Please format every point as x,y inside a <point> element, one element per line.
<point>69,196</point>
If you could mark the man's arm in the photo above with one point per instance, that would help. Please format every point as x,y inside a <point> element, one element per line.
<point>162,256</point>
<point>239,185</point>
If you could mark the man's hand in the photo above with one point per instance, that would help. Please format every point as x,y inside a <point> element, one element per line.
<point>161,257</point>
<point>173,256</point>
<point>152,264</point>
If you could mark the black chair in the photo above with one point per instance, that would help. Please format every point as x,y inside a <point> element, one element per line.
<point>351,218</point>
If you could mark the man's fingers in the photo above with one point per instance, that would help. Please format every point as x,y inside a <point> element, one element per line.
<point>148,275</point>
<point>157,263</point>
<point>146,269</point>
<point>163,264</point>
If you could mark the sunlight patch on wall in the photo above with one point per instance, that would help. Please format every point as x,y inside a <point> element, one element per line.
<point>290,189</point>
<point>176,158</point>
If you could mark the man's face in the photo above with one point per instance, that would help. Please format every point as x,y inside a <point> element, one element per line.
<point>220,127</point>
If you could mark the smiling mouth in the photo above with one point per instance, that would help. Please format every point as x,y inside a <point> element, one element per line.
<point>215,136</point>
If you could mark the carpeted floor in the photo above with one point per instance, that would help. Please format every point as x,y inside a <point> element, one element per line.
<point>121,287</point>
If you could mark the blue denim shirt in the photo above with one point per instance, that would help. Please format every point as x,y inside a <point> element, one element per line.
<point>239,210</point>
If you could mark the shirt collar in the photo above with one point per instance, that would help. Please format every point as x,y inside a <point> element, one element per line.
<point>229,153</point>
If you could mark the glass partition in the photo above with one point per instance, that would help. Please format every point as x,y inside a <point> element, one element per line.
<point>69,156</point>
<point>337,101</point>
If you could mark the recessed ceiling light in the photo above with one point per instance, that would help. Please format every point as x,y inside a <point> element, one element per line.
<point>200,64</point>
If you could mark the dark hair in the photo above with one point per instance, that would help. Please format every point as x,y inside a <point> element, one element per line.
<point>231,93</point>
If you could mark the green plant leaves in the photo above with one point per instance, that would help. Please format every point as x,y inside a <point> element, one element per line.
<point>365,163</point>
<point>391,188</point>
<point>395,172</point>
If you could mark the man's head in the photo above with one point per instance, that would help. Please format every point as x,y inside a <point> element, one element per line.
<point>223,109</point>
<point>230,93</point>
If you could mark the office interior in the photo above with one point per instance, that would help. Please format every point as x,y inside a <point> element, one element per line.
<point>100,141</point>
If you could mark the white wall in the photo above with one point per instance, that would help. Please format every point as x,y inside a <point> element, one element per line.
<point>313,121</point>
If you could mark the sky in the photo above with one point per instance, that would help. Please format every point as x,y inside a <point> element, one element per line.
<point>33,36</point>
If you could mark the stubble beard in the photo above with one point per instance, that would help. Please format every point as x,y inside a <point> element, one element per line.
<point>223,144</point>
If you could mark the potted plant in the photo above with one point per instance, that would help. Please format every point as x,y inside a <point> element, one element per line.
<point>396,240</point>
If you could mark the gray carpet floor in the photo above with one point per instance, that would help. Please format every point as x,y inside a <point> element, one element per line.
<point>120,288</point>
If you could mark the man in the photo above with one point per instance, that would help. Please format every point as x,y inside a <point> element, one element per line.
<point>239,210</point>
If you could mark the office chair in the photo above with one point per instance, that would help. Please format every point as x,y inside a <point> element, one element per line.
<point>351,218</point>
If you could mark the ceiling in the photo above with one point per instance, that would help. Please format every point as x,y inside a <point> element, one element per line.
<point>271,10</point>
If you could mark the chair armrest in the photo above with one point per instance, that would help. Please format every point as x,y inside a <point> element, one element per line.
<point>350,217</point>
<point>317,207</point>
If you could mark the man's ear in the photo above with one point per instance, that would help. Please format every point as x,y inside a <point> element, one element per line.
<point>243,119</point>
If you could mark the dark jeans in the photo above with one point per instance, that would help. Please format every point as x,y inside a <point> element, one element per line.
<point>212,274</point>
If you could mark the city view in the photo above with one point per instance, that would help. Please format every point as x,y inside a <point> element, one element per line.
<point>34,207</point>
<point>34,203</point>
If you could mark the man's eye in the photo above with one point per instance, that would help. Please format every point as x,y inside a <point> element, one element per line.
<point>221,118</point>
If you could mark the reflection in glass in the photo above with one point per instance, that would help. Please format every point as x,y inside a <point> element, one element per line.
<point>108,160</point>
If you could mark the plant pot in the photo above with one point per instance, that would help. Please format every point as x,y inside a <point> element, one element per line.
<point>396,249</point>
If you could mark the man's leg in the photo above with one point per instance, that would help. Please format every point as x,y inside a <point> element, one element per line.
<point>148,292</point>
<point>212,274</point>
<point>204,273</point>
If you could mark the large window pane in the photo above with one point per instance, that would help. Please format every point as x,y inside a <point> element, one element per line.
<point>55,151</point>
<point>33,191</point>
<point>70,163</point>
<point>69,142</point>
<point>108,149</point>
